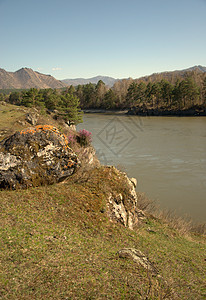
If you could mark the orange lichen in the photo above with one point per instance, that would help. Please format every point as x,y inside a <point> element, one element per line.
<point>41,128</point>
<point>27,131</point>
<point>45,128</point>
<point>69,164</point>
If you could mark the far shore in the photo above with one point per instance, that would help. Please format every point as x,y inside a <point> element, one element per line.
<point>148,112</point>
<point>106,111</point>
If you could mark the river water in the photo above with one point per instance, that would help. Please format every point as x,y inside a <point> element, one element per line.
<point>167,155</point>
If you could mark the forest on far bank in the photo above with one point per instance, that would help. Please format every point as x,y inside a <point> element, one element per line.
<point>174,93</point>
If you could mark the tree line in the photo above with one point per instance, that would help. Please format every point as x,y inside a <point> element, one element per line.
<point>128,93</point>
<point>65,104</point>
<point>178,94</point>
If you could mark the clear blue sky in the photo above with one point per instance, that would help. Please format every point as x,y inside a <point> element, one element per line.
<point>118,38</point>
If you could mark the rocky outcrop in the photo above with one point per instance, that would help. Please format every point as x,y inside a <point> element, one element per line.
<point>122,207</point>
<point>88,157</point>
<point>41,155</point>
<point>36,156</point>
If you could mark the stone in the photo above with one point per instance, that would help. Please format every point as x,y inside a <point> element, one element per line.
<point>87,156</point>
<point>138,257</point>
<point>36,156</point>
<point>121,208</point>
<point>71,125</point>
<point>21,122</point>
<point>118,211</point>
<point>32,118</point>
<point>3,132</point>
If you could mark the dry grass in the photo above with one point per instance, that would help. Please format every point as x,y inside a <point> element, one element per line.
<point>182,224</point>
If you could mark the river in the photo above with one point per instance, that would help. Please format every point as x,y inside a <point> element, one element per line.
<point>167,155</point>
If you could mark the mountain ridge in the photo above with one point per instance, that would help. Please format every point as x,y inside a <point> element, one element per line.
<point>171,76</point>
<point>26,78</point>
<point>110,80</point>
<point>195,68</point>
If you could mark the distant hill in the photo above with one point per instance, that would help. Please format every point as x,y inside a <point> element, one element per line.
<point>106,79</point>
<point>195,68</point>
<point>172,76</point>
<point>26,78</point>
<point>167,75</point>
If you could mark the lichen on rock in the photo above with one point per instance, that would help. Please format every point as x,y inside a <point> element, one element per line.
<point>36,156</point>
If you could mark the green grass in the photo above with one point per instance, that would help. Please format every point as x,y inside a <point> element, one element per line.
<point>13,118</point>
<point>9,115</point>
<point>56,242</point>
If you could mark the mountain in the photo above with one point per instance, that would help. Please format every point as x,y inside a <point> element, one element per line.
<point>167,75</point>
<point>172,76</point>
<point>26,78</point>
<point>106,79</point>
<point>195,68</point>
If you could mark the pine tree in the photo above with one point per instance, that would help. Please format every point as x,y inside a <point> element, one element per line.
<point>70,109</point>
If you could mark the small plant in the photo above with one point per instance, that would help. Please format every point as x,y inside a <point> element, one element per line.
<point>84,137</point>
<point>71,139</point>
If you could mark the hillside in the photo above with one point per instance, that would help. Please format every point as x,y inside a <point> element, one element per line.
<point>80,81</point>
<point>196,68</point>
<point>172,76</point>
<point>26,78</point>
<point>58,242</point>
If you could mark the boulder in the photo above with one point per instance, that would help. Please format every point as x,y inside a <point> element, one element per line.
<point>36,156</point>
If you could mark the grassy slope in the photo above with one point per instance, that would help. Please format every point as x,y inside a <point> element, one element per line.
<point>56,242</point>
<point>12,118</point>
<point>9,115</point>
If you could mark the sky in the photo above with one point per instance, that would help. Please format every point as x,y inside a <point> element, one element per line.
<point>117,38</point>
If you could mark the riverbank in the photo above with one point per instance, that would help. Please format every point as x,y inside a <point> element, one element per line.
<point>106,111</point>
<point>167,112</point>
<point>163,153</point>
